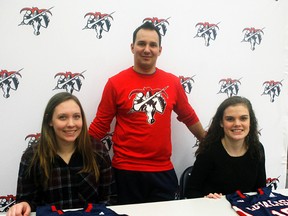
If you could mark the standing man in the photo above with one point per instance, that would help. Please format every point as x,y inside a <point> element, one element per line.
<point>142,99</point>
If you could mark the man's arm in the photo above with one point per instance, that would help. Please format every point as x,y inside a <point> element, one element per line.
<point>106,111</point>
<point>197,130</point>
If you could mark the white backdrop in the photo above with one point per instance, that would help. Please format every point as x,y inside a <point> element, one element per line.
<point>65,46</point>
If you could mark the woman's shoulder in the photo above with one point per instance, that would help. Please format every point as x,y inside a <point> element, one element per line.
<point>213,147</point>
<point>259,151</point>
<point>261,146</point>
<point>212,151</point>
<point>101,152</point>
<point>30,150</point>
<point>98,146</point>
<point>28,153</point>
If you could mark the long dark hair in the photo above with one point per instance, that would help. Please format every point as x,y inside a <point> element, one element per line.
<point>46,150</point>
<point>216,132</point>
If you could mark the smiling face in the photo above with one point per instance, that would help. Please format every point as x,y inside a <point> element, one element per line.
<point>146,50</point>
<point>67,122</point>
<point>236,122</point>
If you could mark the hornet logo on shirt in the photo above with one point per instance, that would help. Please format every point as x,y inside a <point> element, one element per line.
<point>9,81</point>
<point>272,88</point>
<point>229,86</point>
<point>99,22</point>
<point>161,24</point>
<point>149,101</point>
<point>207,31</point>
<point>36,17</point>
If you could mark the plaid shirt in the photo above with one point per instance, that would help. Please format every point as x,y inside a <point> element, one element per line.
<point>67,188</point>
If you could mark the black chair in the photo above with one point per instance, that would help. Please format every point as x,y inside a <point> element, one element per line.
<point>184,182</point>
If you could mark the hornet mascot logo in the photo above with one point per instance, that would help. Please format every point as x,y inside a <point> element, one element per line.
<point>253,36</point>
<point>6,202</point>
<point>207,31</point>
<point>33,139</point>
<point>149,101</point>
<point>36,17</point>
<point>272,182</point>
<point>107,140</point>
<point>186,83</point>
<point>272,88</point>
<point>229,86</point>
<point>161,24</point>
<point>69,81</point>
<point>8,81</point>
<point>99,22</point>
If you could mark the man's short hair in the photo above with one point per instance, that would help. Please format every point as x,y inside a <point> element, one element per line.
<point>149,26</point>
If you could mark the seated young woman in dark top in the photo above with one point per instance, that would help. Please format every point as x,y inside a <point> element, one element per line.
<point>231,156</point>
<point>66,167</point>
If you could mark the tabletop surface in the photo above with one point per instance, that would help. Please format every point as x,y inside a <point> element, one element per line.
<point>185,207</point>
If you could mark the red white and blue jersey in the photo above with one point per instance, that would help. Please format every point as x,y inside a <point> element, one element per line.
<point>264,202</point>
<point>89,210</point>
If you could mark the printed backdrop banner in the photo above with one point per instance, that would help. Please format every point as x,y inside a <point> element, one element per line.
<point>217,49</point>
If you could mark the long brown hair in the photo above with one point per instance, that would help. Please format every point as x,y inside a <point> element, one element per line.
<point>216,132</point>
<point>46,149</point>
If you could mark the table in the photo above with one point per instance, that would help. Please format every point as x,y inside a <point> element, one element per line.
<point>186,207</point>
<point>197,207</point>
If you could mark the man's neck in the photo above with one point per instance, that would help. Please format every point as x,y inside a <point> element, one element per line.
<point>144,70</point>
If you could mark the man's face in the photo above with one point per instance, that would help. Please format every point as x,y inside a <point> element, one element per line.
<point>146,50</point>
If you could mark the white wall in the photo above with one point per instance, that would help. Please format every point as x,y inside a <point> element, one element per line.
<point>63,46</point>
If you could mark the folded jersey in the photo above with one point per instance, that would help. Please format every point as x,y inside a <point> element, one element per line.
<point>89,210</point>
<point>263,203</point>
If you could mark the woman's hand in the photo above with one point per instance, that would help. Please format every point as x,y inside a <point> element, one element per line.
<point>19,209</point>
<point>214,195</point>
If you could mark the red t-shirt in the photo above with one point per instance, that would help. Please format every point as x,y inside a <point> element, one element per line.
<point>142,105</point>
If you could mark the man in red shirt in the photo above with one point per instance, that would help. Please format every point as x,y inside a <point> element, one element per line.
<point>142,98</point>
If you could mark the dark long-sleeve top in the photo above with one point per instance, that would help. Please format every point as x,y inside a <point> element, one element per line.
<point>215,171</point>
<point>67,188</point>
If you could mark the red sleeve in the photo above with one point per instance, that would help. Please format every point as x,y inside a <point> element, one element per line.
<point>100,126</point>
<point>184,110</point>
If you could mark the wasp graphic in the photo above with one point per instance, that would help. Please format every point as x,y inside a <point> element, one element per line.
<point>99,22</point>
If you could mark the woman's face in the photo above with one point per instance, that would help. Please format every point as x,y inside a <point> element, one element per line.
<point>236,122</point>
<point>67,122</point>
